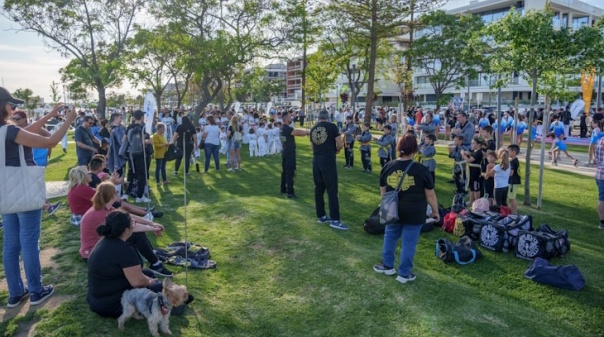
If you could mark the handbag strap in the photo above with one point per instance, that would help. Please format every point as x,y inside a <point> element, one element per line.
<point>3,134</point>
<point>400,183</point>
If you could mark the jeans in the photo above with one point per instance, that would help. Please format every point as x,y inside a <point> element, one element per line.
<point>211,150</point>
<point>160,168</point>
<point>22,235</point>
<point>409,235</point>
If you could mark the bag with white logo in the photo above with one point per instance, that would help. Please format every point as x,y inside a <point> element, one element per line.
<point>544,243</point>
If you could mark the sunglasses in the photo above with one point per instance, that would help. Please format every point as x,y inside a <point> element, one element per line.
<point>16,119</point>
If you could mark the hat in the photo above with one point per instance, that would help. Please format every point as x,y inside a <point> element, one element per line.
<point>20,114</point>
<point>324,114</point>
<point>348,117</point>
<point>138,114</point>
<point>6,96</point>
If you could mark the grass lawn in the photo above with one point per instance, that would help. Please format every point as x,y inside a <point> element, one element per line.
<point>280,273</point>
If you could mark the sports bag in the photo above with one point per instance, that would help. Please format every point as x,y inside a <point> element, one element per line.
<point>481,205</point>
<point>520,223</point>
<point>173,152</point>
<point>565,277</point>
<point>544,243</point>
<point>493,235</point>
<point>459,202</point>
<point>464,252</point>
<point>389,205</point>
<point>372,224</point>
<point>449,222</point>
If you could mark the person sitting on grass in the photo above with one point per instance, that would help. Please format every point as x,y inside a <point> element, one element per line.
<point>114,266</point>
<point>102,203</point>
<point>79,194</point>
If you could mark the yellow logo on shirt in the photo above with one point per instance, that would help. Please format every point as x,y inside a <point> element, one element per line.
<point>395,177</point>
<point>319,135</point>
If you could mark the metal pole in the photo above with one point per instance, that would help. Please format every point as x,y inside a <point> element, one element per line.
<point>468,111</point>
<point>542,156</point>
<point>514,136</point>
<point>498,117</point>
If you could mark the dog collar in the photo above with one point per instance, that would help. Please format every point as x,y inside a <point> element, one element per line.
<point>162,306</point>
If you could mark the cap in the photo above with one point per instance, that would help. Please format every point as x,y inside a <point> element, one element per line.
<point>6,96</point>
<point>20,114</point>
<point>324,114</point>
<point>348,117</point>
<point>138,114</point>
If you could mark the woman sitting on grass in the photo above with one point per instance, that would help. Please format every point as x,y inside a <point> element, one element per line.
<point>114,265</point>
<point>79,194</point>
<point>102,204</point>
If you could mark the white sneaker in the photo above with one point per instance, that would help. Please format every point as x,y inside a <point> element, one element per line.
<point>142,199</point>
<point>148,216</point>
<point>124,197</point>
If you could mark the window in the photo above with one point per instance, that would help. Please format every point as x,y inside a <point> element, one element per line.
<point>579,22</point>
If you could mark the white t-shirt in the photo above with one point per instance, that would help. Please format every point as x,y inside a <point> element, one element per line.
<point>501,176</point>
<point>212,134</point>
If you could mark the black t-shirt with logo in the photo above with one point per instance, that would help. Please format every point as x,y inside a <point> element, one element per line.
<point>287,139</point>
<point>323,139</point>
<point>515,177</point>
<point>412,196</point>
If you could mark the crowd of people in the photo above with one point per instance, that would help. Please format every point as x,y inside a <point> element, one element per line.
<point>114,158</point>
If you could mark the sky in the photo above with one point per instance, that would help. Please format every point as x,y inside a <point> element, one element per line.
<point>25,62</point>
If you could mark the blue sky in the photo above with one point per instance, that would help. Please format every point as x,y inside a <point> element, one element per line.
<point>26,63</point>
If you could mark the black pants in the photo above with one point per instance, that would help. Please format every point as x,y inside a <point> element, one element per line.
<point>325,176</point>
<point>366,159</point>
<point>501,196</point>
<point>188,150</point>
<point>139,172</point>
<point>142,244</point>
<point>301,120</point>
<point>349,154</point>
<point>384,161</point>
<point>288,170</point>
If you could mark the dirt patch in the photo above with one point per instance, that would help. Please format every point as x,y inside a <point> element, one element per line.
<point>51,304</point>
<point>46,261</point>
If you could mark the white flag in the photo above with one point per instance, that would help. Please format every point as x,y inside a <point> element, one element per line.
<point>149,109</point>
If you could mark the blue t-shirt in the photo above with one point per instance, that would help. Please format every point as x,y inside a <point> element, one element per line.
<point>596,134</point>
<point>483,122</point>
<point>558,128</point>
<point>520,128</point>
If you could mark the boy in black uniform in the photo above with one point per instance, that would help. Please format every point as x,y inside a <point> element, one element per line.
<point>288,155</point>
<point>326,142</point>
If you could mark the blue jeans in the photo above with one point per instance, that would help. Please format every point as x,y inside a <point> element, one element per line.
<point>22,235</point>
<point>410,236</point>
<point>160,168</point>
<point>211,150</point>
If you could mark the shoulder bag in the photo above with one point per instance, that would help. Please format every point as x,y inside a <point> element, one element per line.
<point>23,187</point>
<point>389,204</point>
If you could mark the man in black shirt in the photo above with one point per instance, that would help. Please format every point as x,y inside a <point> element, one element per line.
<point>288,155</point>
<point>138,163</point>
<point>326,143</point>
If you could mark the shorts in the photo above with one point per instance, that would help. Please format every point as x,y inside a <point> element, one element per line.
<point>475,184</point>
<point>600,184</point>
<point>234,145</point>
<point>512,190</point>
<point>562,146</point>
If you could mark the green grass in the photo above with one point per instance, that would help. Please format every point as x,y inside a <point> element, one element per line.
<point>280,273</point>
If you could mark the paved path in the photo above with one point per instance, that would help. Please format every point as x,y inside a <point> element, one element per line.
<point>56,189</point>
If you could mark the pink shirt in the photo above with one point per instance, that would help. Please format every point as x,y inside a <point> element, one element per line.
<point>88,235</point>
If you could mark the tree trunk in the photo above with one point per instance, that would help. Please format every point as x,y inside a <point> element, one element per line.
<point>102,106</point>
<point>408,85</point>
<point>372,61</point>
<point>304,52</point>
<point>527,170</point>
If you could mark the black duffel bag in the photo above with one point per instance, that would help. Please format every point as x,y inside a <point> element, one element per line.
<point>173,153</point>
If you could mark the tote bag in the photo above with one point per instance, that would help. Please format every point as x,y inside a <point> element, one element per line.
<point>389,204</point>
<point>23,187</point>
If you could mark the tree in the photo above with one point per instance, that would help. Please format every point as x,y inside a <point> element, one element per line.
<point>449,50</point>
<point>31,101</point>
<point>54,92</point>
<point>322,75</point>
<point>529,44</point>
<point>92,31</point>
<point>375,20</point>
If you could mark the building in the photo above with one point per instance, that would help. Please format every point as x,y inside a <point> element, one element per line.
<point>277,72</point>
<point>568,13</point>
<point>293,84</point>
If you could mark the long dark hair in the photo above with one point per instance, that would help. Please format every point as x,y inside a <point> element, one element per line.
<point>186,123</point>
<point>116,222</point>
<point>3,112</point>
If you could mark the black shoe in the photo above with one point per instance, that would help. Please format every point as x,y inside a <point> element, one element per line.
<point>450,181</point>
<point>161,270</point>
<point>292,196</point>
<point>17,300</point>
<point>157,214</point>
<point>53,208</point>
<point>37,298</point>
<point>64,150</point>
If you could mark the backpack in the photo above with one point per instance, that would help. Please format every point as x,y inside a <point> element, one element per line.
<point>544,243</point>
<point>464,252</point>
<point>459,202</point>
<point>481,205</point>
<point>135,140</point>
<point>565,277</point>
<point>458,227</point>
<point>449,222</point>
<point>237,137</point>
<point>373,225</point>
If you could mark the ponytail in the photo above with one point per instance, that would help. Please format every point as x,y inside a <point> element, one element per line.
<point>504,159</point>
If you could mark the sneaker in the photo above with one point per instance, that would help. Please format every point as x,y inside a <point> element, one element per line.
<point>230,169</point>
<point>161,270</point>
<point>380,268</point>
<point>37,298</point>
<point>157,214</point>
<point>174,173</point>
<point>53,208</point>
<point>124,197</point>
<point>292,196</point>
<point>324,219</point>
<point>64,150</point>
<point>188,174</point>
<point>142,199</point>
<point>150,209</point>
<point>17,300</point>
<point>405,279</point>
<point>337,224</point>
<point>148,216</point>
<point>601,226</point>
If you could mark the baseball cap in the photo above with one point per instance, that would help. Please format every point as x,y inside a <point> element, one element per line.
<point>323,114</point>
<point>138,114</point>
<point>6,96</point>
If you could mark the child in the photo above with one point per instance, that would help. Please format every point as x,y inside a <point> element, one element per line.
<point>253,140</point>
<point>489,176</point>
<point>365,138</point>
<point>427,153</point>
<point>458,171</point>
<point>224,148</point>
<point>557,146</point>
<point>197,153</point>
<point>487,135</point>
<point>514,176</point>
<point>501,172</point>
<point>270,133</point>
<point>520,130</point>
<point>278,144</point>
<point>385,142</point>
<point>474,159</point>
<point>262,139</point>
<point>595,136</point>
